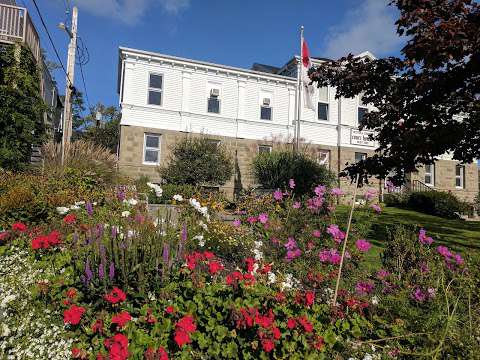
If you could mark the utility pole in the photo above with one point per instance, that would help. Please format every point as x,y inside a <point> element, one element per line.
<point>67,114</point>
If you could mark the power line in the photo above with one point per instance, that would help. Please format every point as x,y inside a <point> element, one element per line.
<point>51,41</point>
<point>85,86</point>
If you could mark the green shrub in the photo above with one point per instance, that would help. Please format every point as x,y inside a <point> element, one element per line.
<point>396,199</point>
<point>198,161</point>
<point>436,203</point>
<point>274,170</point>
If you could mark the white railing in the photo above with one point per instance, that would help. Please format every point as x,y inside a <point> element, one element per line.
<point>16,26</point>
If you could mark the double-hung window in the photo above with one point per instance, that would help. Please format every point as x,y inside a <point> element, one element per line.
<point>155,89</point>
<point>213,101</point>
<point>266,105</point>
<point>362,110</point>
<point>151,149</point>
<point>429,175</point>
<point>323,104</point>
<point>460,177</point>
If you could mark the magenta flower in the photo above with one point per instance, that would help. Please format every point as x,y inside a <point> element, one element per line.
<point>424,268</point>
<point>337,234</point>
<point>297,205</point>
<point>377,208</point>
<point>330,256</point>
<point>278,195</point>
<point>422,237</point>
<point>316,233</point>
<point>364,288</point>
<point>337,192</point>
<point>382,274</point>
<point>263,218</point>
<point>252,219</point>
<point>419,295</point>
<point>315,203</point>
<point>237,222</point>
<point>363,245</point>
<point>291,244</point>
<point>291,184</point>
<point>458,259</point>
<point>443,250</point>
<point>293,254</point>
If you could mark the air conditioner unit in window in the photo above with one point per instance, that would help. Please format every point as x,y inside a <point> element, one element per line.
<point>215,92</point>
<point>266,102</point>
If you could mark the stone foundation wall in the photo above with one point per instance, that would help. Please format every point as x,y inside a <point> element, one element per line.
<point>244,150</point>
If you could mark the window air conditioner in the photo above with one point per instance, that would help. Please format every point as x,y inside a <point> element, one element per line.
<point>266,102</point>
<point>215,92</point>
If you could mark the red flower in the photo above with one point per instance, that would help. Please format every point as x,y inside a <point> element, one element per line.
<point>121,319</point>
<point>265,321</point>
<point>307,325</point>
<point>98,326</point>
<point>169,310</point>
<point>280,297</point>
<point>115,296</point>
<point>208,255</point>
<point>182,338</point>
<point>268,345</point>
<point>150,318</point>
<point>70,219</point>
<point>53,238</point>
<point>3,235</point>
<point>276,333</point>
<point>319,343</point>
<point>186,324</point>
<point>18,226</point>
<point>266,268</point>
<point>76,353</point>
<point>249,279</point>
<point>73,315</point>
<point>309,298</point>
<point>71,293</point>
<point>149,354</point>
<point>250,262</point>
<point>291,323</point>
<point>101,357</point>
<point>233,278</point>
<point>162,354</point>
<point>40,242</point>
<point>117,346</point>
<point>214,267</point>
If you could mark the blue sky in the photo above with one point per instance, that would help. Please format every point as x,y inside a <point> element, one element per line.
<point>230,32</point>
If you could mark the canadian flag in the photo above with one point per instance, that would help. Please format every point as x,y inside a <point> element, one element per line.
<point>308,89</point>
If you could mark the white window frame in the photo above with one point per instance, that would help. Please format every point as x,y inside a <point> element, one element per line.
<point>210,86</point>
<point>326,161</point>
<point>145,148</point>
<point>432,175</point>
<point>324,103</point>
<point>361,105</point>
<point>270,148</point>
<point>155,89</point>
<point>461,176</point>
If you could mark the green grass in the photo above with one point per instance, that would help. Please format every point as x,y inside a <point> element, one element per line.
<point>459,235</point>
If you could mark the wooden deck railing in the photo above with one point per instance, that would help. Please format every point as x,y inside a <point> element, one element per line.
<point>418,186</point>
<point>17,26</point>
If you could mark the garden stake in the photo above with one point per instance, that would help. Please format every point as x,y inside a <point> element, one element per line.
<point>345,242</point>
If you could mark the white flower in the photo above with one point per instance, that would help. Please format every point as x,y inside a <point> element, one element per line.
<point>158,190</point>
<point>74,207</point>
<point>272,278</point>
<point>203,225</point>
<point>132,202</point>
<point>62,210</point>
<point>125,213</point>
<point>201,240</point>
<point>368,357</point>
<point>255,268</point>
<point>178,197</point>
<point>78,203</point>
<point>375,300</point>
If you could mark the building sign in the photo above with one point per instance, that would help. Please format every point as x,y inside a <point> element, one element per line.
<point>358,137</point>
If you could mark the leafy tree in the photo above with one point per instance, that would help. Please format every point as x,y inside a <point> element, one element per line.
<point>79,121</point>
<point>108,134</point>
<point>21,107</point>
<point>428,98</point>
<point>198,161</point>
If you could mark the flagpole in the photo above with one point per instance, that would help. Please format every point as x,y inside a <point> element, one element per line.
<point>299,93</point>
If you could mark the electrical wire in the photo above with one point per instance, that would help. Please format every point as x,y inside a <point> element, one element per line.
<point>85,87</point>
<point>51,42</point>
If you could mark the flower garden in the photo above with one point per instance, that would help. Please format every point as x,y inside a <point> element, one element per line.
<point>104,278</point>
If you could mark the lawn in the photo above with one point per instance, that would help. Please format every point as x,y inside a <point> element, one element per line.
<point>460,235</point>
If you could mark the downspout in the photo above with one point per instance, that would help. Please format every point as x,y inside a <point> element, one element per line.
<point>339,139</point>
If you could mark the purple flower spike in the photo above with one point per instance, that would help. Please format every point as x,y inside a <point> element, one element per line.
<point>111,271</point>
<point>114,231</point>
<point>89,208</point>
<point>101,271</point>
<point>88,272</point>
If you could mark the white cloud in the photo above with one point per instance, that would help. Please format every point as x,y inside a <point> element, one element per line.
<point>130,11</point>
<point>370,26</point>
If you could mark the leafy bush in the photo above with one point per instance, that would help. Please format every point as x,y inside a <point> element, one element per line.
<point>274,170</point>
<point>396,199</point>
<point>81,155</point>
<point>198,161</point>
<point>436,203</point>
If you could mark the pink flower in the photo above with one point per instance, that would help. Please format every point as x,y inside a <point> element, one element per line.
<point>278,195</point>
<point>336,233</point>
<point>370,194</point>
<point>297,205</point>
<point>363,245</point>
<point>337,192</point>
<point>237,223</point>
<point>458,259</point>
<point>263,218</point>
<point>320,190</point>
<point>330,256</point>
<point>252,219</point>
<point>443,250</point>
<point>316,233</point>
<point>419,295</point>
<point>422,237</point>
<point>377,208</point>
<point>293,254</point>
<point>291,184</point>
<point>291,244</point>
<point>382,274</point>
